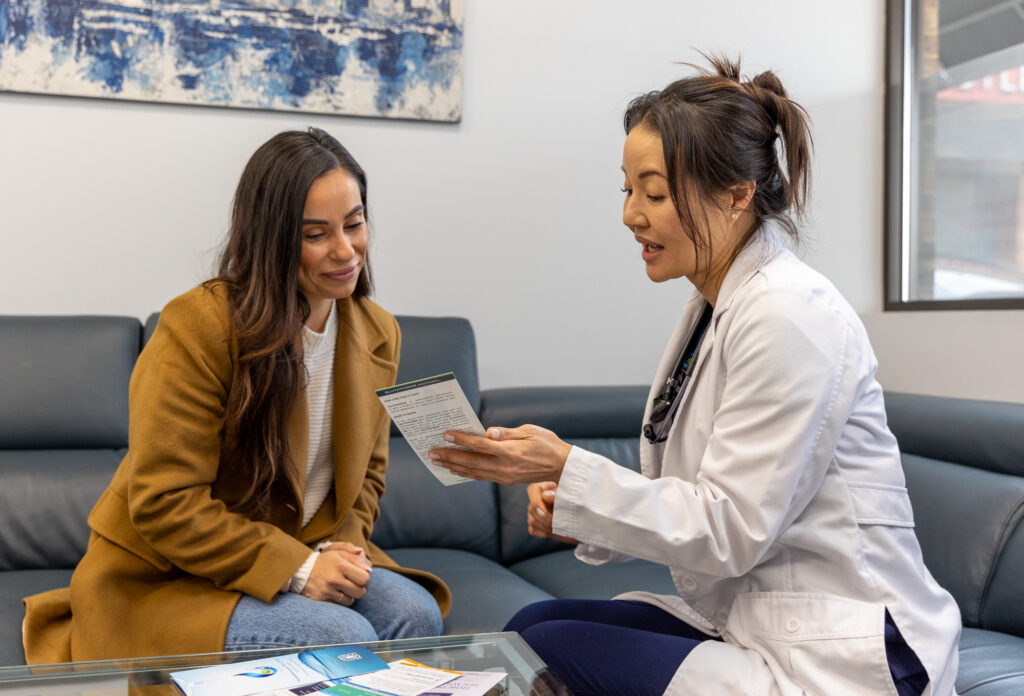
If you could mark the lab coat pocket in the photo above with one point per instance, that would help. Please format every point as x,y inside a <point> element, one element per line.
<point>815,643</point>
<point>881,504</point>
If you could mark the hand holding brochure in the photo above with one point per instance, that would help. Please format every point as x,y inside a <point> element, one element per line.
<point>279,672</point>
<point>423,410</point>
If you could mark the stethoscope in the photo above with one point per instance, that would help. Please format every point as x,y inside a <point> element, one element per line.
<point>665,403</point>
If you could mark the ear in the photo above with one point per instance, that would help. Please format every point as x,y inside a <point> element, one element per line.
<point>741,194</point>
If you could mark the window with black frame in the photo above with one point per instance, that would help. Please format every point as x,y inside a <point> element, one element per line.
<point>955,154</point>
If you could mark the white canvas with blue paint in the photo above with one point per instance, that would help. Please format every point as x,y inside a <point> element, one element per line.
<point>392,58</point>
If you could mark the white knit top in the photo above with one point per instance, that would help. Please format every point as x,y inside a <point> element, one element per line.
<point>318,356</point>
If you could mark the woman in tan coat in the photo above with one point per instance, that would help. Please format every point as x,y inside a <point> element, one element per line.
<point>241,515</point>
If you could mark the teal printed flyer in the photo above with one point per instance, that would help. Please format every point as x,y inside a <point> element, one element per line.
<point>277,672</point>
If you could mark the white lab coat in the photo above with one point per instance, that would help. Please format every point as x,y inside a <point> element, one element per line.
<point>777,502</point>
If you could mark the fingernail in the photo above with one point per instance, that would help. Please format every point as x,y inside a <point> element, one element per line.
<point>540,512</point>
<point>449,438</point>
<point>549,494</point>
<point>494,433</point>
<point>435,456</point>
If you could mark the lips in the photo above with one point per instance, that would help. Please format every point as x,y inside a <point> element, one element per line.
<point>651,250</point>
<point>344,274</point>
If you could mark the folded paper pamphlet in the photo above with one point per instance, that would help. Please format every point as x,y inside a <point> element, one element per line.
<point>423,410</point>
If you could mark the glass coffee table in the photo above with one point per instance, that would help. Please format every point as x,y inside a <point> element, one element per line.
<point>145,676</point>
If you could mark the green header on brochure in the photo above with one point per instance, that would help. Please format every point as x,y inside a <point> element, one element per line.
<point>426,381</point>
<point>348,690</point>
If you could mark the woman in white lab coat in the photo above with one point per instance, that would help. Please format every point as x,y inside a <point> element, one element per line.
<point>771,485</point>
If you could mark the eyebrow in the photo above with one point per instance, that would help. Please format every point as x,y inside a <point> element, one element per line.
<point>645,174</point>
<point>357,209</point>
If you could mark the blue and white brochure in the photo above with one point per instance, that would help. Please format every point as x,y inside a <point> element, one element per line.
<point>278,672</point>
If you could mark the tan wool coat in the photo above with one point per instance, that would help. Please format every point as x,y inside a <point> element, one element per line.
<point>167,558</point>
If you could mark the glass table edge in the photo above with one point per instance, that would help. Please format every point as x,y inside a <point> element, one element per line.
<point>95,668</point>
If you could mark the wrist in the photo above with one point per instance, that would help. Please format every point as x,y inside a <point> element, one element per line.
<point>564,450</point>
<point>300,577</point>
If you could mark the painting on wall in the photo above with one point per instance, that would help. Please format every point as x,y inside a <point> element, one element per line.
<point>388,58</point>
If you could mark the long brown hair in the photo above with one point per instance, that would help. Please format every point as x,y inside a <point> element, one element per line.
<point>259,268</point>
<point>718,131</point>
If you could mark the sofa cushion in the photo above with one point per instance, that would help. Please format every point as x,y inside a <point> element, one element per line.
<point>485,595</point>
<point>418,510</point>
<point>964,518</point>
<point>516,542</point>
<point>65,381</point>
<point>991,664</point>
<point>14,586</point>
<point>566,577</point>
<point>45,499</point>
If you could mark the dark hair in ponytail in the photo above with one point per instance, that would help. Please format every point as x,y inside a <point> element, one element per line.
<point>259,268</point>
<point>717,132</point>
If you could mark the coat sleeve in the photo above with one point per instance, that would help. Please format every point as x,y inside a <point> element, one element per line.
<point>177,403</point>
<point>357,526</point>
<point>793,373</point>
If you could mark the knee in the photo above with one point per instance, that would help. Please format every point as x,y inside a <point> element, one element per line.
<point>545,637</point>
<point>340,624</point>
<point>422,619</point>
<point>531,614</point>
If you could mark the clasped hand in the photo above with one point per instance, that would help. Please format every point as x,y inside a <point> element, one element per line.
<point>526,454</point>
<point>340,574</point>
<point>541,511</point>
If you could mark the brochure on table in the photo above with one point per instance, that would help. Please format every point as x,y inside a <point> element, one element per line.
<point>423,410</point>
<point>278,672</point>
<point>403,678</point>
<point>411,678</point>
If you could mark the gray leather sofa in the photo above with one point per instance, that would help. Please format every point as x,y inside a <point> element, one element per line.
<point>63,430</point>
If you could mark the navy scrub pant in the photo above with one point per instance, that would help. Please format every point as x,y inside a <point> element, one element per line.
<point>625,648</point>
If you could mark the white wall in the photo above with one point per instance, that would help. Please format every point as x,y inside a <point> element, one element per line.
<point>510,218</point>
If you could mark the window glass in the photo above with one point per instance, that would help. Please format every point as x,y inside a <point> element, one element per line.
<point>956,225</point>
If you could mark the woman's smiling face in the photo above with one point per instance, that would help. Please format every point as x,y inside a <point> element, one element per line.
<point>649,211</point>
<point>334,243</point>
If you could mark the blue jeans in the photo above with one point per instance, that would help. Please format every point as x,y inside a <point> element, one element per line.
<point>394,607</point>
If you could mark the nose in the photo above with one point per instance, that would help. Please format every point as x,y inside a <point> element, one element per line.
<point>632,216</point>
<point>341,247</point>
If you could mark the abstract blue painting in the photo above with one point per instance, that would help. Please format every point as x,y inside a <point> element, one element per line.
<point>391,58</point>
